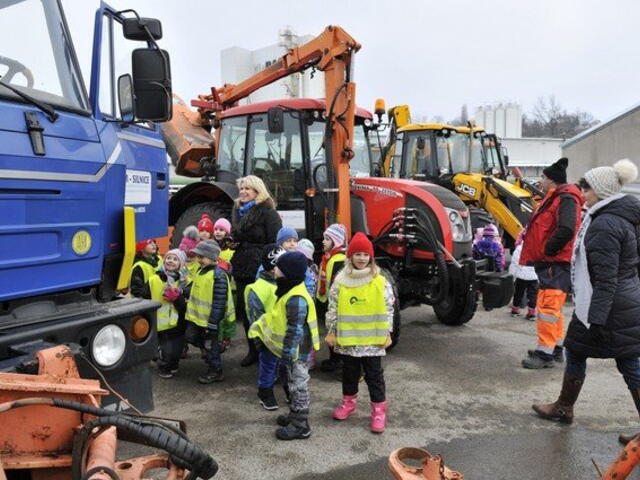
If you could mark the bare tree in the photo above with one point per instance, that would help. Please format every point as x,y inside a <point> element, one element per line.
<point>549,119</point>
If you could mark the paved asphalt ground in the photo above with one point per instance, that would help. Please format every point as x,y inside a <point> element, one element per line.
<point>458,391</point>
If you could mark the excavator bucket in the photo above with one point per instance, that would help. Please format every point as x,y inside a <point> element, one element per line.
<point>187,141</point>
<point>430,467</point>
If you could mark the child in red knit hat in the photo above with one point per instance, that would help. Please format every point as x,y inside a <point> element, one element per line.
<point>146,262</point>
<point>205,227</point>
<point>359,324</point>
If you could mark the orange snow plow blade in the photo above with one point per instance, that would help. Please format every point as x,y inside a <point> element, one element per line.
<point>431,467</point>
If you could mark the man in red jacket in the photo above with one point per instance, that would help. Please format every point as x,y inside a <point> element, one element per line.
<point>548,245</point>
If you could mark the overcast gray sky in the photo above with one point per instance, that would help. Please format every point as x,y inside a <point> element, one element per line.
<point>433,55</point>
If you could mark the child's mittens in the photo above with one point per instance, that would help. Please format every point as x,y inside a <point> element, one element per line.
<point>171,294</point>
<point>387,343</point>
<point>330,339</point>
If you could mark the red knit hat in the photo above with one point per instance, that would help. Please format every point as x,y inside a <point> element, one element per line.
<point>205,224</point>
<point>360,243</point>
<point>140,245</point>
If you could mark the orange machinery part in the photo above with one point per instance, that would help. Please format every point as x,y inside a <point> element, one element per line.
<point>39,438</point>
<point>626,461</point>
<point>431,467</point>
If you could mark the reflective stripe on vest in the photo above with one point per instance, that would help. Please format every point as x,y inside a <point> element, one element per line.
<point>266,292</point>
<point>362,314</point>
<point>271,327</point>
<point>167,315</point>
<point>148,270</point>
<point>338,257</point>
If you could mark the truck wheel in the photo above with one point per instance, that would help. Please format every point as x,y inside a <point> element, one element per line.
<point>395,334</point>
<point>458,306</point>
<point>192,215</point>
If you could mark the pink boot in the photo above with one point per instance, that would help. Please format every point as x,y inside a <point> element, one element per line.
<point>347,407</point>
<point>378,416</point>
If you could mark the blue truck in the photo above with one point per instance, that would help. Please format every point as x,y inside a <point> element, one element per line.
<point>82,176</point>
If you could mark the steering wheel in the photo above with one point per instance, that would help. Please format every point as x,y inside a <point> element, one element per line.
<point>16,67</point>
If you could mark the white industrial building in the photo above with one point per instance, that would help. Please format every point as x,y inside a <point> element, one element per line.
<point>603,144</point>
<point>530,155</point>
<point>240,63</point>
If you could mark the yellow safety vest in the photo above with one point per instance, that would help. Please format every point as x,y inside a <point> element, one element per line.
<point>362,314</point>
<point>193,268</point>
<point>271,327</point>
<point>266,292</point>
<point>338,257</point>
<point>148,270</point>
<point>167,315</point>
<point>200,301</point>
<point>227,254</point>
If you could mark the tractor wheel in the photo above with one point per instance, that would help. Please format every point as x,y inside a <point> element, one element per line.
<point>458,306</point>
<point>192,215</point>
<point>395,335</point>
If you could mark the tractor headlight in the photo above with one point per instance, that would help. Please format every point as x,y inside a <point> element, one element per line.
<point>108,345</point>
<point>459,230</point>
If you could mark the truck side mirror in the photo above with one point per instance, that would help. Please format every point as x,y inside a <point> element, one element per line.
<point>152,84</point>
<point>133,28</point>
<point>275,120</point>
<point>125,98</point>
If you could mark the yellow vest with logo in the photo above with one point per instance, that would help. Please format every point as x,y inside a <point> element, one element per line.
<point>271,327</point>
<point>362,314</point>
<point>167,315</point>
<point>338,257</point>
<point>201,298</point>
<point>266,292</point>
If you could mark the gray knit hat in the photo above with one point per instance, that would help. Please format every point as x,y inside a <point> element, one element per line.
<point>607,181</point>
<point>208,248</point>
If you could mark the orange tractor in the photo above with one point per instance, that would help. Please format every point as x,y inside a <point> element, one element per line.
<point>314,156</point>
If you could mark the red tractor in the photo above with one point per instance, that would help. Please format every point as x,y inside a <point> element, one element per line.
<point>315,158</point>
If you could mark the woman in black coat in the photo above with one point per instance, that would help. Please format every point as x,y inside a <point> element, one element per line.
<point>254,223</point>
<point>606,286</point>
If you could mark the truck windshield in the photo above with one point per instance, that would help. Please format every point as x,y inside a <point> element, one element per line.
<point>491,153</point>
<point>39,60</point>
<point>422,161</point>
<point>466,154</point>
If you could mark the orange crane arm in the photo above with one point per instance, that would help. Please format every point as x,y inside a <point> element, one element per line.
<point>330,52</point>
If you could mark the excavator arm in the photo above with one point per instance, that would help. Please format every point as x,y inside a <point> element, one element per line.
<point>332,53</point>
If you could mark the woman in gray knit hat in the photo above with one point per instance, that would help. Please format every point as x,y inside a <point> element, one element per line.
<point>606,287</point>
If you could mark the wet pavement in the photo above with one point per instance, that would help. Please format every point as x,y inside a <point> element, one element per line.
<point>458,391</point>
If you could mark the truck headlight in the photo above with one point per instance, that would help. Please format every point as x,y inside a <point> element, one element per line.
<point>108,345</point>
<point>459,230</point>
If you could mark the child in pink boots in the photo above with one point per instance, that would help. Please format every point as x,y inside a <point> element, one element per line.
<point>359,323</point>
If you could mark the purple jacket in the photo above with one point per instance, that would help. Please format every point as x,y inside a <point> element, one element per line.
<point>489,247</point>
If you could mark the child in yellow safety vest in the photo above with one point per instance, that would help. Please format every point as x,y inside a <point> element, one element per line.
<point>169,287</point>
<point>290,331</point>
<point>210,312</point>
<point>146,263</point>
<point>222,235</point>
<point>359,323</point>
<point>333,245</point>
<point>187,244</point>
<point>259,298</point>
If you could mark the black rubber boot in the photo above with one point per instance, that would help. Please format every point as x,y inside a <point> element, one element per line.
<point>635,394</point>
<point>298,428</point>
<point>283,420</point>
<point>267,399</point>
<point>213,375</point>
<point>538,360</point>
<point>562,409</point>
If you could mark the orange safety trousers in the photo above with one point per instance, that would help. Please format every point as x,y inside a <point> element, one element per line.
<point>550,319</point>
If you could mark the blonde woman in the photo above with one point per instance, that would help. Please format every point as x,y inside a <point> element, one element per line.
<point>255,223</point>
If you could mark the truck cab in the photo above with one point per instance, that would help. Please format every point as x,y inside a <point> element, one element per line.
<point>83,174</point>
